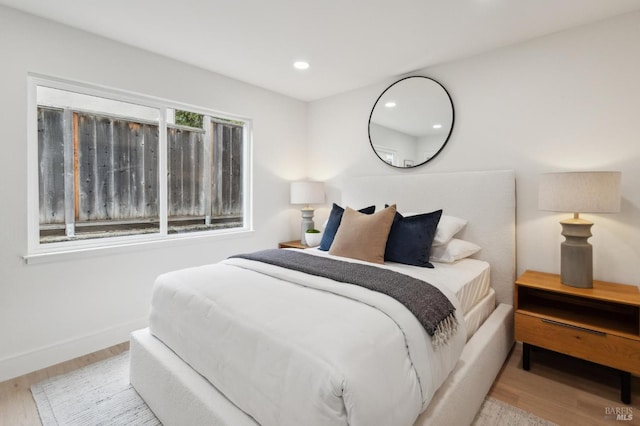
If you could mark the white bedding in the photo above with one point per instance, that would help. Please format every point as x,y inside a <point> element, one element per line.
<point>270,339</point>
<point>468,279</point>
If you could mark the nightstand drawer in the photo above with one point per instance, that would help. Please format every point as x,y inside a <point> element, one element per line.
<point>595,346</point>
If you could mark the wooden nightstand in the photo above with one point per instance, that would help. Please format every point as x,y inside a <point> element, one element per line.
<point>600,324</point>
<point>293,244</point>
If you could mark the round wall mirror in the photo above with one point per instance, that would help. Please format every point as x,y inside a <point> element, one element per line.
<point>411,122</point>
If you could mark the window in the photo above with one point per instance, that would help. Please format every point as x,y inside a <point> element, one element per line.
<point>114,167</point>
<point>386,154</point>
<point>204,172</point>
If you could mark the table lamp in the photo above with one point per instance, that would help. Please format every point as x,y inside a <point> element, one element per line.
<point>307,193</point>
<point>578,192</point>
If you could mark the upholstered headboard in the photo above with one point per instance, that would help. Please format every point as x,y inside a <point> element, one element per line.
<point>486,199</point>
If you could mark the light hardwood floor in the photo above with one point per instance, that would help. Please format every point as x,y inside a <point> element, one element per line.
<point>17,407</point>
<point>558,388</point>
<point>564,390</point>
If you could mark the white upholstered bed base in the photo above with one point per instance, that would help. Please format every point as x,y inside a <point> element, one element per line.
<point>178,395</point>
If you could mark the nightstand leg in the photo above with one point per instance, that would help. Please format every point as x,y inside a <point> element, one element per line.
<point>526,356</point>
<point>625,387</point>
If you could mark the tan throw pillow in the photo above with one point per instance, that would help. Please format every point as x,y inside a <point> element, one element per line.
<point>363,236</point>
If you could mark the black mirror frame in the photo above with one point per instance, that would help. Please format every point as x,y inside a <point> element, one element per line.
<point>453,119</point>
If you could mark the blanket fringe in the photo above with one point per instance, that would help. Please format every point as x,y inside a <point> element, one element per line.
<point>444,330</point>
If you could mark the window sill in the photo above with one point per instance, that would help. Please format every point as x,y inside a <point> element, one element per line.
<point>129,247</point>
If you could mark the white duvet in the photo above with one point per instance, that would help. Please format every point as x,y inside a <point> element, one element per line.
<point>293,349</point>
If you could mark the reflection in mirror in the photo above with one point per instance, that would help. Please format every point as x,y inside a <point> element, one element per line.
<point>411,122</point>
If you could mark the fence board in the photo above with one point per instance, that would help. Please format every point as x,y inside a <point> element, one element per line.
<point>51,165</point>
<point>105,188</point>
<point>151,174</point>
<point>218,137</point>
<point>227,151</point>
<point>236,171</point>
<point>122,171</point>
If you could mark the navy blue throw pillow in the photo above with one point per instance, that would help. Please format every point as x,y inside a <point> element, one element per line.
<point>411,237</point>
<point>335,217</point>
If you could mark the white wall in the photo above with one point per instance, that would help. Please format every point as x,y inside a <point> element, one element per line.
<point>569,101</point>
<point>59,310</point>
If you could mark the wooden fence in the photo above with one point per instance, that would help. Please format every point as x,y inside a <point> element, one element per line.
<point>117,173</point>
<point>101,169</point>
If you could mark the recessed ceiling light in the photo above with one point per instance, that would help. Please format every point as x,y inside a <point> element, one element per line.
<point>390,104</point>
<point>301,65</point>
<point>437,126</point>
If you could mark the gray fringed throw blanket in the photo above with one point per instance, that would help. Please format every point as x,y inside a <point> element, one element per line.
<point>432,308</point>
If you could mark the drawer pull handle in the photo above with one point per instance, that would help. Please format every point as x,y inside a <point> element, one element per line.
<point>575,327</point>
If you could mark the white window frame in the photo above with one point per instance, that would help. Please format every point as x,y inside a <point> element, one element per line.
<point>387,151</point>
<point>40,252</point>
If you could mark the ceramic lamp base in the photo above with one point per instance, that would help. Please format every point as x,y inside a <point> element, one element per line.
<point>576,254</point>
<point>307,223</point>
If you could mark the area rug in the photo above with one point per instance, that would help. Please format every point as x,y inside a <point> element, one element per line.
<point>495,412</point>
<point>100,394</point>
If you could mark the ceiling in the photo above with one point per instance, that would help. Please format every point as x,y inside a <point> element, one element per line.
<point>349,43</point>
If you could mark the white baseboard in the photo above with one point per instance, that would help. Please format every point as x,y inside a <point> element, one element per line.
<point>46,356</point>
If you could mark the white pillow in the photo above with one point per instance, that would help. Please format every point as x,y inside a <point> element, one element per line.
<point>447,228</point>
<point>454,250</point>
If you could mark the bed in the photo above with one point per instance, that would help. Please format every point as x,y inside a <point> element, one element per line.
<point>178,392</point>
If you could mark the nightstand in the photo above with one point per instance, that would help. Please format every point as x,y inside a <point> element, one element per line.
<point>293,244</point>
<point>599,324</point>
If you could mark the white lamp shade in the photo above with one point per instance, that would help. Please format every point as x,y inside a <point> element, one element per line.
<point>580,192</point>
<point>307,192</point>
